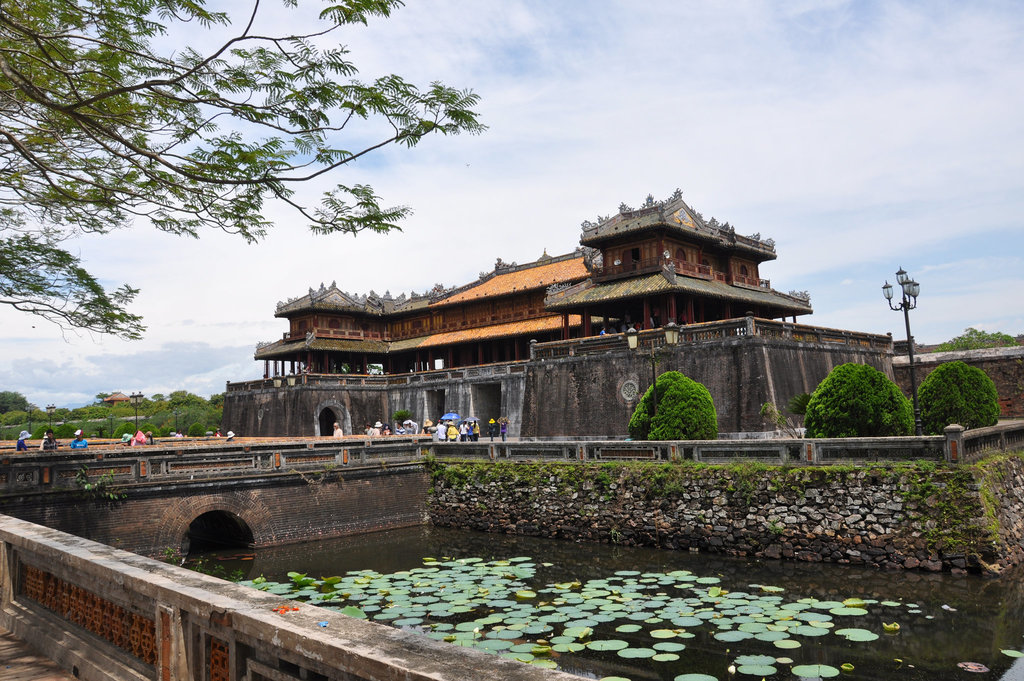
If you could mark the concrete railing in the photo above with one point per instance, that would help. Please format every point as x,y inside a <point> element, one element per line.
<point>168,463</point>
<point>104,614</point>
<point>64,470</point>
<point>379,380</point>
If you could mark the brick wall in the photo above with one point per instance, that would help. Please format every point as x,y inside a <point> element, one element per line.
<point>278,509</point>
<point>1005,366</point>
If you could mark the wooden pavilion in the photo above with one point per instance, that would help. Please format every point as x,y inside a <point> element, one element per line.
<point>640,268</point>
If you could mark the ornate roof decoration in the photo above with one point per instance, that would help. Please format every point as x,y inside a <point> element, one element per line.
<point>673,213</point>
<point>331,298</point>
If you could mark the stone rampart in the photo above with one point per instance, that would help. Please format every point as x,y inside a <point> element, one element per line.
<point>909,516</point>
<point>1005,366</point>
<point>585,387</point>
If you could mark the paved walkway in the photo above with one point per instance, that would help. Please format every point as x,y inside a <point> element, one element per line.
<point>18,662</point>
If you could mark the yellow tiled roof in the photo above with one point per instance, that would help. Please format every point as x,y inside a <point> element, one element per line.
<point>538,325</point>
<point>519,280</point>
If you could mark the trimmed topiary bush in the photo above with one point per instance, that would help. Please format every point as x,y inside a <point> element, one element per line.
<point>957,393</point>
<point>857,400</point>
<point>685,411</point>
<point>127,427</point>
<point>196,430</point>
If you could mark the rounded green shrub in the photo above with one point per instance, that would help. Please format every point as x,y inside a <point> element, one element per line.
<point>196,430</point>
<point>957,393</point>
<point>857,400</point>
<point>685,411</point>
<point>126,427</point>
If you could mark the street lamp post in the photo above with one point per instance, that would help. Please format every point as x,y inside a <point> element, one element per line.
<point>908,301</point>
<point>49,413</point>
<point>671,338</point>
<point>136,400</point>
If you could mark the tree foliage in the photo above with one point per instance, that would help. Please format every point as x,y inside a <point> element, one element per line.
<point>108,119</point>
<point>857,400</point>
<point>13,401</point>
<point>955,392</point>
<point>686,411</point>
<point>975,339</point>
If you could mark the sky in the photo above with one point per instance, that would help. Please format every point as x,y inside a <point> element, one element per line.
<point>861,136</point>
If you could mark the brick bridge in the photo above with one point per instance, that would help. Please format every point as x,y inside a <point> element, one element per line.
<point>245,493</point>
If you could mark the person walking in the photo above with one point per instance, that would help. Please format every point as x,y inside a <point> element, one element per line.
<point>492,429</point>
<point>22,445</point>
<point>504,428</point>
<point>453,432</point>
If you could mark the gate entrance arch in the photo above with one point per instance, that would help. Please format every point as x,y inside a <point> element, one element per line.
<point>328,413</point>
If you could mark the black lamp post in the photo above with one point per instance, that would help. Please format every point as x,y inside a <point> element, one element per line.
<point>671,338</point>
<point>49,413</point>
<point>908,301</point>
<point>136,400</point>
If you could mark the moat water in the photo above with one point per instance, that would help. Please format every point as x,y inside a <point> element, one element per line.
<point>603,611</point>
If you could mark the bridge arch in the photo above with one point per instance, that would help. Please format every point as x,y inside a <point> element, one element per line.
<point>216,512</point>
<point>329,411</point>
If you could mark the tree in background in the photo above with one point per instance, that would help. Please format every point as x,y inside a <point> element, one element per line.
<point>13,401</point>
<point>857,400</point>
<point>955,392</point>
<point>686,411</point>
<point>974,339</point>
<point>109,115</point>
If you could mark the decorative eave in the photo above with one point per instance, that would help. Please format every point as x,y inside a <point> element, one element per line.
<point>332,299</point>
<point>588,293</point>
<point>673,215</point>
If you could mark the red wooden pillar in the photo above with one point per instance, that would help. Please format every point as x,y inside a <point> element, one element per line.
<point>565,326</point>
<point>586,322</point>
<point>515,349</point>
<point>646,321</point>
<point>672,312</point>
<point>266,368</point>
<point>480,353</point>
<point>689,310</point>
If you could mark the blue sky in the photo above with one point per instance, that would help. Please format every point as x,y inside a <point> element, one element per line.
<point>860,136</point>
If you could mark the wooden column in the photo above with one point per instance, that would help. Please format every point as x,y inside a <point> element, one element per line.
<point>646,321</point>
<point>266,368</point>
<point>672,307</point>
<point>565,326</point>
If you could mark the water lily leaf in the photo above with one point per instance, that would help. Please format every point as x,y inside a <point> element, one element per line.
<point>787,644</point>
<point>665,657</point>
<point>607,644</point>
<point>695,677</point>
<point>1012,653</point>
<point>848,610</point>
<point>568,647</point>
<point>732,636</point>
<point>756,669</point>
<point>755,660</point>
<point>353,611</point>
<point>669,646</point>
<point>663,633</point>
<point>860,635</point>
<point>637,653</point>
<point>815,671</point>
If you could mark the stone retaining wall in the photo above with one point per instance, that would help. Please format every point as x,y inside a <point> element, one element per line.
<point>922,516</point>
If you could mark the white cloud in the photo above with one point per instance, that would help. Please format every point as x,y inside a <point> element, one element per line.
<point>861,137</point>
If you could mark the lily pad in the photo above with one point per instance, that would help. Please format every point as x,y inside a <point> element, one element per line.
<point>607,644</point>
<point>815,671</point>
<point>637,653</point>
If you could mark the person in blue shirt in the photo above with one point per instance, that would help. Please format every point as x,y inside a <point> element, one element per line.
<point>22,446</point>
<point>79,442</point>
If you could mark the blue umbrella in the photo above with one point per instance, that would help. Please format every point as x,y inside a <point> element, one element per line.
<point>450,416</point>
